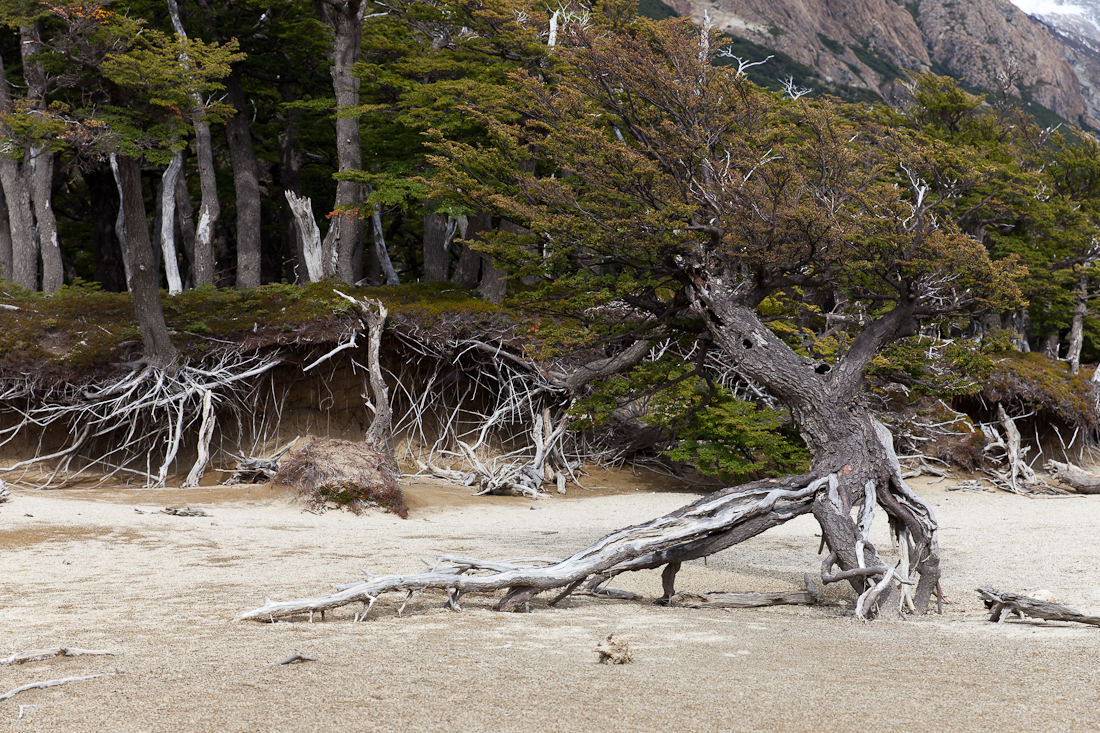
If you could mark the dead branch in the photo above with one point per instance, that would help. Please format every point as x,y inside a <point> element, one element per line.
<point>1076,477</point>
<point>37,655</point>
<point>699,529</point>
<point>297,656</point>
<point>52,683</point>
<point>1001,605</point>
<point>177,511</point>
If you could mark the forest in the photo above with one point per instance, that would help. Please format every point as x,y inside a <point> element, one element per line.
<point>567,236</point>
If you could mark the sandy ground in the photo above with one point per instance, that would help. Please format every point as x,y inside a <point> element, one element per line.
<point>82,568</point>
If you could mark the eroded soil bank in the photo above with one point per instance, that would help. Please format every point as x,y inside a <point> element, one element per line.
<point>86,570</point>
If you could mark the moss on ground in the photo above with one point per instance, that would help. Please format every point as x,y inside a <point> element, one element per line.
<point>82,332</point>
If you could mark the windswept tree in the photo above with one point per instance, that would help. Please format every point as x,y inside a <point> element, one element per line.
<point>676,187</point>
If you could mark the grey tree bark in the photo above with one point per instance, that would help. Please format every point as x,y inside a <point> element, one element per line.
<point>185,217</point>
<point>345,18</point>
<point>24,270</point>
<point>158,348</point>
<point>290,179</point>
<point>167,234</point>
<point>435,247</point>
<point>246,184</point>
<point>39,164</point>
<point>468,269</point>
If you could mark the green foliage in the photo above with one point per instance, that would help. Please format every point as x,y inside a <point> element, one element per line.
<point>727,437</point>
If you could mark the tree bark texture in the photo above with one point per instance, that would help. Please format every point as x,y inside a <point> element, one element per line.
<point>5,239</point>
<point>24,271</point>
<point>468,268</point>
<point>342,240</point>
<point>42,165</point>
<point>290,179</point>
<point>246,184</point>
<point>435,247</point>
<point>185,218</point>
<point>158,347</point>
<point>167,191</point>
<point>38,163</point>
<point>310,245</point>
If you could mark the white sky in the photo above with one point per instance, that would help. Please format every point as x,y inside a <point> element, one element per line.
<point>1049,7</point>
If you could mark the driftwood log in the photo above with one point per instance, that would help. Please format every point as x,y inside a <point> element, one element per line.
<point>51,683</point>
<point>1073,476</point>
<point>1001,605</point>
<point>37,655</point>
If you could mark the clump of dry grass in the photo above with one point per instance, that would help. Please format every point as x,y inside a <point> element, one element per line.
<point>354,476</point>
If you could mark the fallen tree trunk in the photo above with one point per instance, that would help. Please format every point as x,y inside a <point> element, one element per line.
<point>716,521</point>
<point>1073,476</point>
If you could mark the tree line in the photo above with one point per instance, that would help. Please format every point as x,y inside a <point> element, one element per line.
<point>181,145</point>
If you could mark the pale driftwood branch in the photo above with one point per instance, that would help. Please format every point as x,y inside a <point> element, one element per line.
<point>720,599</point>
<point>51,683</point>
<point>297,656</point>
<point>186,511</point>
<point>697,530</point>
<point>1073,476</point>
<point>36,655</point>
<point>1001,605</point>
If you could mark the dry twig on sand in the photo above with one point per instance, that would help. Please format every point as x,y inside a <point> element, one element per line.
<point>37,655</point>
<point>51,683</point>
<point>297,656</point>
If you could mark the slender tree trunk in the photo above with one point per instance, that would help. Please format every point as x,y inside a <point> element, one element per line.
<point>1077,328</point>
<point>24,270</point>
<point>185,218</point>
<point>39,164</point>
<point>494,281</point>
<point>158,347</point>
<point>342,240</point>
<point>167,205</point>
<point>246,183</point>
<point>468,268</point>
<point>435,247</point>
<point>5,239</point>
<point>53,274</point>
<point>120,221</point>
<point>210,208</point>
<point>290,179</point>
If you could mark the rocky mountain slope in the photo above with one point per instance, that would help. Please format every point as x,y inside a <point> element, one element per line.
<point>870,44</point>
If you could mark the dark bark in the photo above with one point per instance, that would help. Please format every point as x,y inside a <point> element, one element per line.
<point>435,248</point>
<point>5,239</point>
<point>468,268</point>
<point>103,196</point>
<point>246,184</point>
<point>185,220</point>
<point>290,179</point>
<point>158,348</point>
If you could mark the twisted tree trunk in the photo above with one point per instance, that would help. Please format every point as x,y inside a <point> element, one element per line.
<point>854,469</point>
